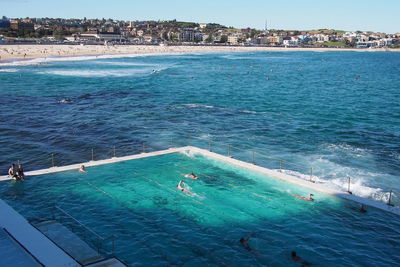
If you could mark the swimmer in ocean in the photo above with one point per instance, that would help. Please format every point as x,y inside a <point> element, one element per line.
<point>309,198</point>
<point>245,243</point>
<point>299,260</point>
<point>360,209</point>
<point>191,176</point>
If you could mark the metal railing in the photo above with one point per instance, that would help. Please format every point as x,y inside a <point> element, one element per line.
<point>250,155</point>
<point>98,241</point>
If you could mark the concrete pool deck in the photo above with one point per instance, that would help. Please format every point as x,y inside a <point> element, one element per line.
<point>32,240</point>
<point>271,173</point>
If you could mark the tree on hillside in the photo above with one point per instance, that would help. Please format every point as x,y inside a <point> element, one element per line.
<point>209,38</point>
<point>224,39</point>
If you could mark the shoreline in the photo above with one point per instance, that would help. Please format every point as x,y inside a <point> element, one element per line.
<point>20,52</point>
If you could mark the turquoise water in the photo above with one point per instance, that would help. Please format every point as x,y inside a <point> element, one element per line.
<point>158,225</point>
<point>336,112</point>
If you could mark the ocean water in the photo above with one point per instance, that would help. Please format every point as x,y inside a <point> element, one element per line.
<point>334,112</point>
<point>157,225</point>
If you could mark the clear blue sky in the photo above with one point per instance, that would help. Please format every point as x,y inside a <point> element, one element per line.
<point>375,15</point>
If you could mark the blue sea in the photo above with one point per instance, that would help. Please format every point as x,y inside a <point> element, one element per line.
<point>335,112</point>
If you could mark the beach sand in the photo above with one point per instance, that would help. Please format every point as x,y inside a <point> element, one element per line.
<point>11,52</point>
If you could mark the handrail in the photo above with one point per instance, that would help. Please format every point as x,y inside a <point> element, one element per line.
<point>244,150</point>
<point>111,237</point>
<point>81,224</point>
<point>206,143</point>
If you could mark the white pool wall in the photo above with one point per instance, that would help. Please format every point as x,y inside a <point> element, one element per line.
<point>271,173</point>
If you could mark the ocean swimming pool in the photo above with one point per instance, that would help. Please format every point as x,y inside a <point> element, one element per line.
<point>155,224</point>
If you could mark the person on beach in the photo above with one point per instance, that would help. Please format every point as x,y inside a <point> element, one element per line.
<point>191,176</point>
<point>309,198</point>
<point>299,260</point>
<point>20,172</point>
<point>82,168</point>
<point>12,171</point>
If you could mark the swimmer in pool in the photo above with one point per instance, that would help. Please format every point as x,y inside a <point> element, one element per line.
<point>304,198</point>
<point>179,186</point>
<point>299,260</point>
<point>82,168</point>
<point>12,172</point>
<point>191,176</point>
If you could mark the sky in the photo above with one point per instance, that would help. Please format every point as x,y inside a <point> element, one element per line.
<point>373,15</point>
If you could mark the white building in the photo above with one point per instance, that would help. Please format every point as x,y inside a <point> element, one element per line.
<point>186,35</point>
<point>233,40</point>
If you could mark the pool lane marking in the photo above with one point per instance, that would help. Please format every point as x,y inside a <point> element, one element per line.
<point>176,192</point>
<point>130,209</point>
<point>185,195</point>
<point>257,216</point>
<point>258,195</point>
<point>209,176</point>
<point>235,186</point>
<point>202,174</point>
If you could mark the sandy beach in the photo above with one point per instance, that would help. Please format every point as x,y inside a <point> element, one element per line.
<point>11,52</point>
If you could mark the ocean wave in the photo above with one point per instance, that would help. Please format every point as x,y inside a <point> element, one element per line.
<point>358,186</point>
<point>236,57</point>
<point>103,73</point>
<point>198,106</point>
<point>117,63</point>
<point>222,108</point>
<point>41,60</point>
<point>347,149</point>
<point>8,70</point>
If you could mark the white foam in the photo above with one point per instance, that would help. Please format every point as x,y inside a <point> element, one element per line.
<point>103,72</point>
<point>358,186</point>
<point>198,106</point>
<point>189,153</point>
<point>347,149</point>
<point>8,70</point>
<point>236,57</point>
<point>117,63</point>
<point>38,61</point>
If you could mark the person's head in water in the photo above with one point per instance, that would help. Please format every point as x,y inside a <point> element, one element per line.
<point>294,255</point>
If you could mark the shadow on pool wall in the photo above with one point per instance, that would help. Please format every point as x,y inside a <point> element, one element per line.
<point>157,224</point>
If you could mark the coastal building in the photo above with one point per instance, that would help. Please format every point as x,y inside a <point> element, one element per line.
<point>203,25</point>
<point>274,40</point>
<point>99,37</point>
<point>186,35</point>
<point>140,33</point>
<point>233,39</point>
<point>19,25</point>
<point>4,24</point>
<point>291,42</point>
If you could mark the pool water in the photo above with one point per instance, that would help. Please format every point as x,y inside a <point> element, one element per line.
<point>158,225</point>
